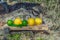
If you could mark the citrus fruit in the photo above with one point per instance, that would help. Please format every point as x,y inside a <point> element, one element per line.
<point>38,21</point>
<point>10,22</point>
<point>24,22</point>
<point>17,21</point>
<point>20,25</point>
<point>31,21</point>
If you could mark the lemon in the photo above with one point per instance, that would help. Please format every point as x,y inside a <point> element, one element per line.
<point>17,21</point>
<point>31,21</point>
<point>38,21</point>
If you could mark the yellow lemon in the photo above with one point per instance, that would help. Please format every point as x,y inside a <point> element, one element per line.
<point>31,21</point>
<point>17,21</point>
<point>38,21</point>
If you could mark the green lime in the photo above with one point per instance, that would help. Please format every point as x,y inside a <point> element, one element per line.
<point>24,23</point>
<point>10,22</point>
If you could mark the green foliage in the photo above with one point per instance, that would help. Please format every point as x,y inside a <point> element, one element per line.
<point>39,38</point>
<point>13,37</point>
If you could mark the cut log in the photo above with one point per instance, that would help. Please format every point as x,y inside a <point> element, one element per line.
<point>40,27</point>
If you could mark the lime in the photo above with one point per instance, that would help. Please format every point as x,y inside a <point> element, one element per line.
<point>10,22</point>
<point>24,22</point>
